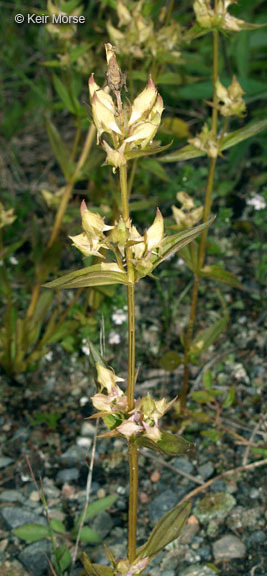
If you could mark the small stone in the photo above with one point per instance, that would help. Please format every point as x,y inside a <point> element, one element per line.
<point>184,465</point>
<point>144,498</point>
<point>84,442</point>
<point>15,517</point>
<point>101,493</point>
<point>87,429</point>
<point>5,461</point>
<point>256,539</point>
<point>228,547</point>
<point>214,506</point>
<point>68,492</point>
<point>206,470</point>
<point>74,455</point>
<point>34,558</point>
<point>205,552</point>
<point>160,505</point>
<point>102,523</point>
<point>11,496</point>
<point>34,496</point>
<point>155,476</point>
<point>190,530</point>
<point>67,475</point>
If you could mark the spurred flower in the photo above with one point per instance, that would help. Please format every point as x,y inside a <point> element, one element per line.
<point>103,117</point>
<point>107,378</point>
<point>115,157</point>
<point>143,103</point>
<point>92,223</point>
<point>88,245</point>
<point>154,235</point>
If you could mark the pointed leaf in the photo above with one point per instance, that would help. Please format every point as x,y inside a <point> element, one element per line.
<point>168,444</point>
<point>175,242</point>
<point>61,151</point>
<point>87,535</point>
<point>65,95</point>
<point>186,153</point>
<point>202,396</point>
<point>230,398</point>
<point>95,569</point>
<point>190,255</point>
<point>167,530</point>
<point>170,361</point>
<point>146,151</point>
<point>57,526</point>
<point>243,134</point>
<point>31,532</point>
<point>98,275</point>
<point>221,275</point>
<point>96,507</point>
<point>206,337</point>
<point>63,557</point>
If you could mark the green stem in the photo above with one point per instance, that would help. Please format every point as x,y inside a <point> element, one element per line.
<point>132,450</point>
<point>203,239</point>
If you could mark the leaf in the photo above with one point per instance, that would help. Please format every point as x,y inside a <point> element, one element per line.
<point>230,398</point>
<point>221,275</point>
<point>60,150</point>
<point>168,444</point>
<point>176,127</point>
<point>96,507</point>
<point>175,242</point>
<point>186,153</point>
<point>31,532</point>
<point>190,256</point>
<point>146,151</point>
<point>170,361</point>
<point>167,530</point>
<point>95,569</point>
<point>207,380</point>
<point>63,557</point>
<point>56,525</point>
<point>89,535</point>
<point>153,165</point>
<point>212,434</point>
<point>65,95</point>
<point>206,337</point>
<point>97,275</point>
<point>243,134</point>
<point>202,396</point>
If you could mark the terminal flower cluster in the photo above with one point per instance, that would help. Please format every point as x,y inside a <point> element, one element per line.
<point>111,400</point>
<point>231,98</point>
<point>208,17</point>
<point>128,126</point>
<point>206,142</point>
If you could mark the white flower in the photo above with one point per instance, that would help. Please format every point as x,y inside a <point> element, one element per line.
<point>114,338</point>
<point>14,261</point>
<point>85,347</point>
<point>119,317</point>
<point>257,202</point>
<point>49,356</point>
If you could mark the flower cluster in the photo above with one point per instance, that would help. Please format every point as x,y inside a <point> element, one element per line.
<point>7,217</point>
<point>188,215</point>
<point>112,401</point>
<point>136,35</point>
<point>120,236</point>
<point>124,568</point>
<point>128,127</point>
<point>208,17</point>
<point>206,142</point>
<point>231,98</point>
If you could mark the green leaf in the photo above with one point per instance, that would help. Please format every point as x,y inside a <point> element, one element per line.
<point>230,398</point>
<point>146,151</point>
<point>207,380</point>
<point>65,95</point>
<point>206,337</point>
<point>170,361</point>
<point>95,569</point>
<point>221,275</point>
<point>175,242</point>
<point>243,134</point>
<point>176,127</point>
<point>186,153</point>
<point>63,557</point>
<point>56,525</point>
<point>153,165</point>
<point>190,256</point>
<point>31,532</point>
<point>60,150</point>
<point>89,535</point>
<point>97,275</point>
<point>167,530</point>
<point>168,444</point>
<point>96,507</point>
<point>212,434</point>
<point>202,396</point>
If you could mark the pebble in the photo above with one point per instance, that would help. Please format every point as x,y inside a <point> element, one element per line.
<point>184,465</point>
<point>67,475</point>
<point>15,517</point>
<point>228,547</point>
<point>74,455</point>
<point>84,442</point>
<point>190,530</point>
<point>102,523</point>
<point>11,496</point>
<point>5,461</point>
<point>214,506</point>
<point>34,558</point>
<point>161,505</point>
<point>155,476</point>
<point>257,538</point>
<point>87,429</point>
<point>206,470</point>
<point>34,496</point>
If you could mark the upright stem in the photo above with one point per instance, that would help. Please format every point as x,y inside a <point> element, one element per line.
<point>132,450</point>
<point>203,239</point>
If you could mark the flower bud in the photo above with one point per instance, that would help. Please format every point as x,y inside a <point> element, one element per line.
<point>102,96</point>
<point>119,235</point>
<point>103,117</point>
<point>92,223</point>
<point>107,378</point>
<point>154,234</point>
<point>143,267</point>
<point>144,102</point>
